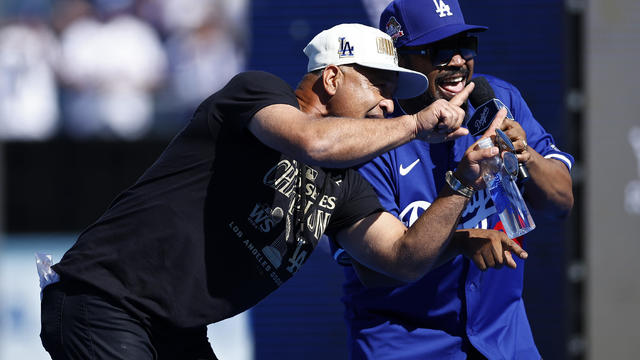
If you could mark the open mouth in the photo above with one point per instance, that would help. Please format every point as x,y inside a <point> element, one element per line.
<point>452,84</point>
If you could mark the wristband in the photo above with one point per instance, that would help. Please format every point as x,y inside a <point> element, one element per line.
<point>457,186</point>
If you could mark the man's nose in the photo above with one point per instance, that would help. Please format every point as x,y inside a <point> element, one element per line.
<point>457,60</point>
<point>386,105</point>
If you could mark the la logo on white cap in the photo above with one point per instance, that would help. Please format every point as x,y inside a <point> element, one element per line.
<point>441,8</point>
<point>345,50</point>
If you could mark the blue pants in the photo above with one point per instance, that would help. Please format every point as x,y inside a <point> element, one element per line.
<point>78,323</point>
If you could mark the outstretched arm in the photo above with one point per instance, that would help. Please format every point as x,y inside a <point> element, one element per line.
<point>343,142</point>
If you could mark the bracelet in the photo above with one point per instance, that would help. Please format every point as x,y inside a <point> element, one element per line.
<point>457,186</point>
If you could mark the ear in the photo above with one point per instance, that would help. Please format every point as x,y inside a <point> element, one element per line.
<point>331,79</point>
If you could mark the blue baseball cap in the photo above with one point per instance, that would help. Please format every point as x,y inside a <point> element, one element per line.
<point>422,22</point>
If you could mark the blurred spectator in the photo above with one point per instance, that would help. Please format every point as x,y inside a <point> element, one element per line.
<point>28,93</point>
<point>203,56</point>
<point>125,67</point>
<point>111,62</point>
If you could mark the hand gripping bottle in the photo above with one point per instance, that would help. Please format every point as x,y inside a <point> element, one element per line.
<point>500,177</point>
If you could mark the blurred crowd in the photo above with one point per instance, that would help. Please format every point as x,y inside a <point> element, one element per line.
<point>113,69</point>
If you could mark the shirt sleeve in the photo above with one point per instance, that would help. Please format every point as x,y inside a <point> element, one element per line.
<point>377,174</point>
<point>360,202</point>
<point>244,95</point>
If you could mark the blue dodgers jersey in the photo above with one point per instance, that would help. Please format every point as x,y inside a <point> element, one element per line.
<point>456,304</point>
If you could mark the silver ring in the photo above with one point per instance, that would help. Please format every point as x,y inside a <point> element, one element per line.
<point>526,146</point>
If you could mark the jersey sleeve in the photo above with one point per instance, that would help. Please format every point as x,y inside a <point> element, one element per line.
<point>537,137</point>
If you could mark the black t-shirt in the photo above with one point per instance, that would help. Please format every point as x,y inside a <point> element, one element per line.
<point>213,226</point>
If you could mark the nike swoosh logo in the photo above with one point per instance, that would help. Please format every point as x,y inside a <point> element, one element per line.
<point>405,170</point>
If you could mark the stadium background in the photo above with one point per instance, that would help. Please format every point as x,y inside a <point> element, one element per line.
<point>61,166</point>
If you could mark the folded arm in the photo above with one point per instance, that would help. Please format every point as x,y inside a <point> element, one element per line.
<point>549,188</point>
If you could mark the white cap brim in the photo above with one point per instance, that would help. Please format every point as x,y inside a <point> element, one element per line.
<point>410,83</point>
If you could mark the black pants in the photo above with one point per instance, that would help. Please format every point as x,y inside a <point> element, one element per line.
<point>78,323</point>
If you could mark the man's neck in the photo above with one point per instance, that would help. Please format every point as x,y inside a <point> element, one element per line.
<point>308,100</point>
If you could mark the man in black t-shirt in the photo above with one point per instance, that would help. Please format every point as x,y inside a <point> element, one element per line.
<point>239,199</point>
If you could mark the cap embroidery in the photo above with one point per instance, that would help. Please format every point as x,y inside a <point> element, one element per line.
<point>346,50</point>
<point>441,8</point>
<point>394,29</point>
<point>385,46</point>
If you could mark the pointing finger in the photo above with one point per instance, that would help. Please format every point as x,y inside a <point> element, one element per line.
<point>459,132</point>
<point>463,95</point>
<point>513,246</point>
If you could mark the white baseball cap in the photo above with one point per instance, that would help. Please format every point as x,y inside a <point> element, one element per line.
<point>363,45</point>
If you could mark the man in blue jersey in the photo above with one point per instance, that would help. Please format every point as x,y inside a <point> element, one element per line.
<point>459,310</point>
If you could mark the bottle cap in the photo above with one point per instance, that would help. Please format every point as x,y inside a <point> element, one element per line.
<point>485,143</point>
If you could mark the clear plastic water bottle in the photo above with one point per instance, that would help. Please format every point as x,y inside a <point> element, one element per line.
<point>505,194</point>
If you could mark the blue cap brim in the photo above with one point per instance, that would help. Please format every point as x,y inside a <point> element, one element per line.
<point>441,33</point>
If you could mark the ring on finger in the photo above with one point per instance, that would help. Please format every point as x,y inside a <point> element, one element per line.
<point>525,145</point>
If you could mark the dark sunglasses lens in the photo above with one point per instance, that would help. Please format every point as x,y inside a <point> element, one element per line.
<point>468,54</point>
<point>466,47</point>
<point>441,57</point>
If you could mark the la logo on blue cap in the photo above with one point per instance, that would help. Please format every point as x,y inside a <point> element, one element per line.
<point>346,50</point>
<point>441,8</point>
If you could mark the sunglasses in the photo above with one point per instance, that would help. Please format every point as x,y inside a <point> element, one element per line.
<point>441,52</point>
